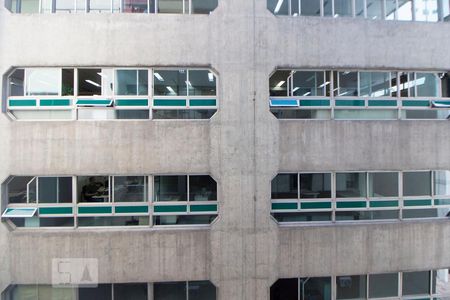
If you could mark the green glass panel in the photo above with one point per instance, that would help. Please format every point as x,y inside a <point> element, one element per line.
<point>417,103</point>
<point>131,102</point>
<point>422,202</point>
<point>206,207</point>
<point>388,203</point>
<point>350,103</point>
<point>93,102</point>
<point>351,204</point>
<point>95,210</point>
<point>131,209</point>
<point>382,102</point>
<point>54,102</point>
<point>315,205</point>
<point>315,102</point>
<point>170,208</point>
<point>202,102</point>
<point>27,102</point>
<point>442,202</point>
<point>55,210</point>
<point>291,205</point>
<point>169,102</point>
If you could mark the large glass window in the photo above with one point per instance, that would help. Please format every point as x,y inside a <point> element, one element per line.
<point>169,290</point>
<point>351,287</point>
<point>128,291</point>
<point>93,188</point>
<point>170,6</point>
<point>315,185</point>
<point>100,6</point>
<point>347,84</point>
<point>43,82</point>
<point>203,6</point>
<point>279,83</point>
<point>405,8</point>
<point>285,289</point>
<point>383,184</point>
<point>351,185</point>
<point>442,183</point>
<point>426,10</point>
<point>383,285</point>
<point>375,9</point>
<point>28,292</point>
<point>22,189</point>
<point>315,288</point>
<point>309,83</point>
<point>65,6</point>
<point>170,82</point>
<point>416,183</point>
<point>113,221</point>
<point>89,82</point>
<point>201,290</point>
<point>310,7</point>
<point>54,189</point>
<point>343,8</point>
<point>374,84</point>
<point>130,189</point>
<point>427,85</point>
<point>416,283</point>
<point>132,82</point>
<point>278,7</point>
<point>170,188</point>
<point>285,186</point>
<point>202,188</point>
<point>201,83</point>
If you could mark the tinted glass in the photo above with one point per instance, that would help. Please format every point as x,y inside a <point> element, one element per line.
<point>383,285</point>
<point>278,83</point>
<point>113,221</point>
<point>374,84</point>
<point>367,215</point>
<point>310,7</point>
<point>318,114</point>
<point>201,290</point>
<point>93,189</point>
<point>128,291</point>
<point>89,82</point>
<point>135,6</point>
<point>170,82</point>
<point>351,287</point>
<point>343,8</point>
<point>202,188</point>
<point>350,185</point>
<point>348,84</point>
<point>170,6</point>
<point>308,83</point>
<point>442,182</point>
<point>315,185</point>
<point>17,189</point>
<point>169,290</point>
<point>55,189</point>
<point>16,81</point>
<point>417,184</point>
<point>375,9</point>
<point>303,217</point>
<point>132,114</point>
<point>201,83</point>
<point>101,292</point>
<point>427,85</point>
<point>278,7</point>
<point>384,184</point>
<point>203,6</point>
<point>315,288</point>
<point>184,220</point>
<point>130,189</point>
<point>284,289</point>
<point>183,114</point>
<point>416,283</point>
<point>67,82</point>
<point>285,186</point>
<point>170,188</point>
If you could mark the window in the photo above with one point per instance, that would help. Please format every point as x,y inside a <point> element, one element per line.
<point>310,7</point>
<point>383,285</point>
<point>405,10</point>
<point>375,9</point>
<point>201,290</point>
<point>442,183</point>
<point>347,83</point>
<point>67,82</point>
<point>309,83</point>
<point>285,186</point>
<point>184,219</point>
<point>135,291</point>
<point>42,82</point>
<point>21,189</point>
<point>427,85</point>
<point>201,83</point>
<point>343,8</point>
<point>171,6</point>
<point>132,82</point>
<point>202,188</point>
<point>191,290</point>
<point>170,188</point>
<point>130,189</point>
<point>170,82</point>
<point>95,82</point>
<point>278,83</point>
<point>315,288</point>
<point>351,185</point>
<point>315,185</point>
<point>54,189</point>
<point>93,188</point>
<point>278,7</point>
<point>426,10</point>
<point>203,6</point>
<point>417,184</point>
<point>383,184</point>
<point>101,292</point>
<point>351,287</point>
<point>374,84</point>
<point>137,6</point>
<point>113,221</point>
<point>16,81</point>
<point>416,283</point>
<point>20,292</point>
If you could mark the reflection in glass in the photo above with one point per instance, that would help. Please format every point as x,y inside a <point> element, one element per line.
<point>285,186</point>
<point>203,6</point>
<point>375,9</point>
<point>202,188</point>
<point>55,189</point>
<point>89,82</point>
<point>303,217</point>
<point>132,114</point>
<point>404,11</point>
<point>170,6</point>
<point>420,213</point>
<point>201,83</point>
<point>310,7</point>
<point>442,183</point>
<point>426,10</point>
<point>441,282</point>
<point>17,190</point>
<point>278,7</point>
<point>427,85</point>
<point>16,81</point>
<point>327,8</point>
<point>130,189</point>
<point>315,288</point>
<point>183,114</point>
<point>201,290</point>
<point>101,292</point>
<point>315,185</point>
<point>383,184</point>
<point>134,6</point>
<point>318,114</point>
<point>93,188</point>
<point>132,82</point>
<point>416,183</point>
<point>184,220</point>
<point>348,84</point>
<point>436,114</point>
<point>374,84</point>
<point>359,8</point>
<point>100,6</point>
<point>343,8</point>
<point>134,291</point>
<point>278,83</point>
<point>285,289</point>
<point>43,82</point>
<point>351,287</point>
<point>383,285</point>
<point>309,83</point>
<point>351,185</point>
<point>391,9</point>
<point>113,221</point>
<point>416,283</point>
<point>170,188</point>
<point>446,10</point>
<point>170,82</point>
<point>367,215</point>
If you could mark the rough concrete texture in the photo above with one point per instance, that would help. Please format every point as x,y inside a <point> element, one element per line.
<point>243,146</point>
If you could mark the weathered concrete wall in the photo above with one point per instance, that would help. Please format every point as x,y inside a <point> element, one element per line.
<point>243,146</point>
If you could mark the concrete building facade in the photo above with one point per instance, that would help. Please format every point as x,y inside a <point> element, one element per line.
<point>243,146</point>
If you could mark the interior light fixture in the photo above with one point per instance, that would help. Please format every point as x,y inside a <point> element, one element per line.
<point>307,94</point>
<point>102,74</point>
<point>158,76</point>
<point>280,83</point>
<point>93,83</point>
<point>188,83</point>
<point>324,84</point>
<point>170,89</point>
<point>210,77</point>
<point>278,6</point>
<point>295,89</point>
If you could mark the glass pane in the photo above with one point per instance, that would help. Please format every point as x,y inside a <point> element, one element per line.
<point>42,82</point>
<point>55,189</point>
<point>101,292</point>
<point>134,6</point>
<point>126,82</point>
<point>133,114</point>
<point>367,215</point>
<point>417,184</point>
<point>303,217</point>
<point>427,85</point>
<point>16,81</point>
<point>437,114</point>
<point>416,283</point>
<point>365,114</point>
<point>308,83</point>
<point>351,287</point>
<point>315,185</point>
<point>343,8</point>
<point>446,10</point>
<point>203,6</point>
<point>318,288</point>
<point>404,12</point>
<point>374,84</point>
<point>113,221</point>
<point>81,5</point>
<point>202,188</point>
<point>170,188</point>
<point>375,9</point>
<point>89,82</point>
<point>327,8</point>
<point>421,213</point>
<point>284,289</point>
<point>445,84</point>
<point>359,8</point>
<point>65,6</point>
<point>143,82</point>
<point>46,6</point>
<point>130,189</point>
<point>285,186</point>
<point>351,185</point>
<point>441,282</point>
<point>407,85</point>
<point>442,182</point>
<point>383,184</point>
<point>93,189</point>
<point>383,285</point>
<point>201,290</point>
<point>56,222</point>
<point>348,84</point>
<point>100,6</point>
<point>24,292</point>
<point>170,82</point>
<point>426,10</point>
<point>310,7</point>
<point>96,114</point>
<point>183,114</point>
<point>278,7</point>
<point>169,290</point>
<point>201,83</point>
<point>391,8</point>
<point>51,293</point>
<point>278,83</point>
<point>42,114</point>
<point>318,114</point>
<point>67,82</point>
<point>29,6</point>
<point>184,220</point>
<point>170,6</point>
<point>126,291</point>
<point>17,189</point>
